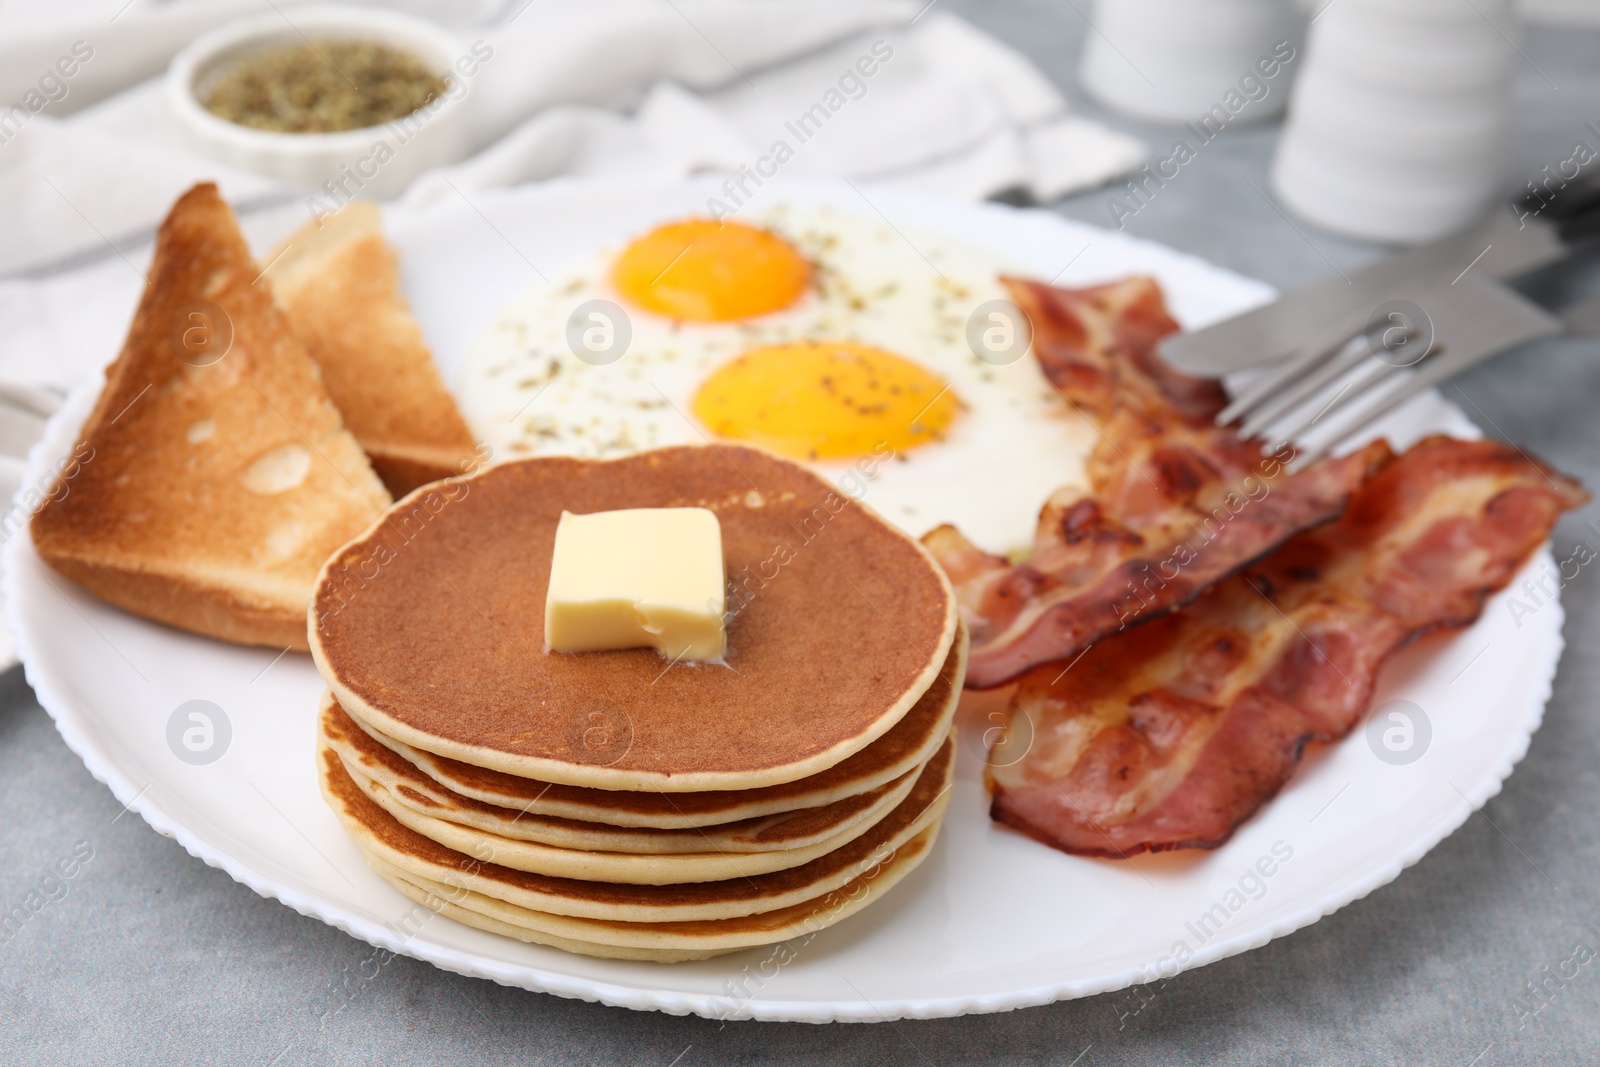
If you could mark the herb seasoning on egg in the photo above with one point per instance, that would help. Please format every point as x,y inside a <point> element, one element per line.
<point>324,87</point>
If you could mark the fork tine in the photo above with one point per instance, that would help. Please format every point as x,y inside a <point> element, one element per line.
<point>1436,368</point>
<point>1354,352</point>
<point>1407,389</point>
<point>1470,322</point>
<point>1329,340</point>
<point>1374,374</point>
<point>1265,386</point>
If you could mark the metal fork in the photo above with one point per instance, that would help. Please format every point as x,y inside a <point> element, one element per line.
<point>1363,365</point>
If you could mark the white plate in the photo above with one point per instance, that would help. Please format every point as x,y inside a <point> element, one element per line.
<point>991,921</point>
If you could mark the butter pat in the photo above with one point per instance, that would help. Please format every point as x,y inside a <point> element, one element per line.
<point>637,578</point>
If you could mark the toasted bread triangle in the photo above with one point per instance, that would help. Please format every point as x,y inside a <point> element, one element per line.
<point>337,282</point>
<point>212,477</point>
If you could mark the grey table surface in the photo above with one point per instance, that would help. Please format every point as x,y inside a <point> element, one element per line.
<point>154,957</point>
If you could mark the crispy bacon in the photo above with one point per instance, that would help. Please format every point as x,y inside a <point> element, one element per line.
<point>1173,502</point>
<point>1173,733</point>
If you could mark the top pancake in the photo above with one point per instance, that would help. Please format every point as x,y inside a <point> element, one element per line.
<point>430,627</point>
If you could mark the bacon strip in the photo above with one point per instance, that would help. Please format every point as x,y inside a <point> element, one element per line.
<point>1172,734</point>
<point>1173,502</point>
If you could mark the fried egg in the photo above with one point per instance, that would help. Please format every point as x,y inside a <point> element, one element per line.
<point>840,341</point>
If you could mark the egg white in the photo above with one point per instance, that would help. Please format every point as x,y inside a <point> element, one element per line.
<point>1015,441</point>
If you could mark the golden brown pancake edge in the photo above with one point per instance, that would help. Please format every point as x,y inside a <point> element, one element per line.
<point>375,831</point>
<point>593,865</point>
<point>652,942</point>
<point>365,757</point>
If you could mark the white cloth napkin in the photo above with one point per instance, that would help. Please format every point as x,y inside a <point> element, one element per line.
<point>665,87</point>
<point>947,108</point>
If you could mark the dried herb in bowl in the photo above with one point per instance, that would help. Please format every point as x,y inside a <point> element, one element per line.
<point>322,87</point>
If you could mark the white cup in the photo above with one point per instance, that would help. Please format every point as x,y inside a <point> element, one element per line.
<point>1172,60</point>
<point>1398,124</point>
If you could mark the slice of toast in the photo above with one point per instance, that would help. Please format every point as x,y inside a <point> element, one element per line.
<point>337,282</point>
<point>214,475</point>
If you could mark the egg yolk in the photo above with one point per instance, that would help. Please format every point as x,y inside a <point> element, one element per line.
<point>826,400</point>
<point>709,271</point>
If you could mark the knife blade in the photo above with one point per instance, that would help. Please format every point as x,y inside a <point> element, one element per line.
<point>1495,249</point>
<point>1541,229</point>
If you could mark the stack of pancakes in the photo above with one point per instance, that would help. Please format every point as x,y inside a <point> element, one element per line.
<point>613,803</point>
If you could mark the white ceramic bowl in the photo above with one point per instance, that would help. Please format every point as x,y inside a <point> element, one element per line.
<point>371,162</point>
